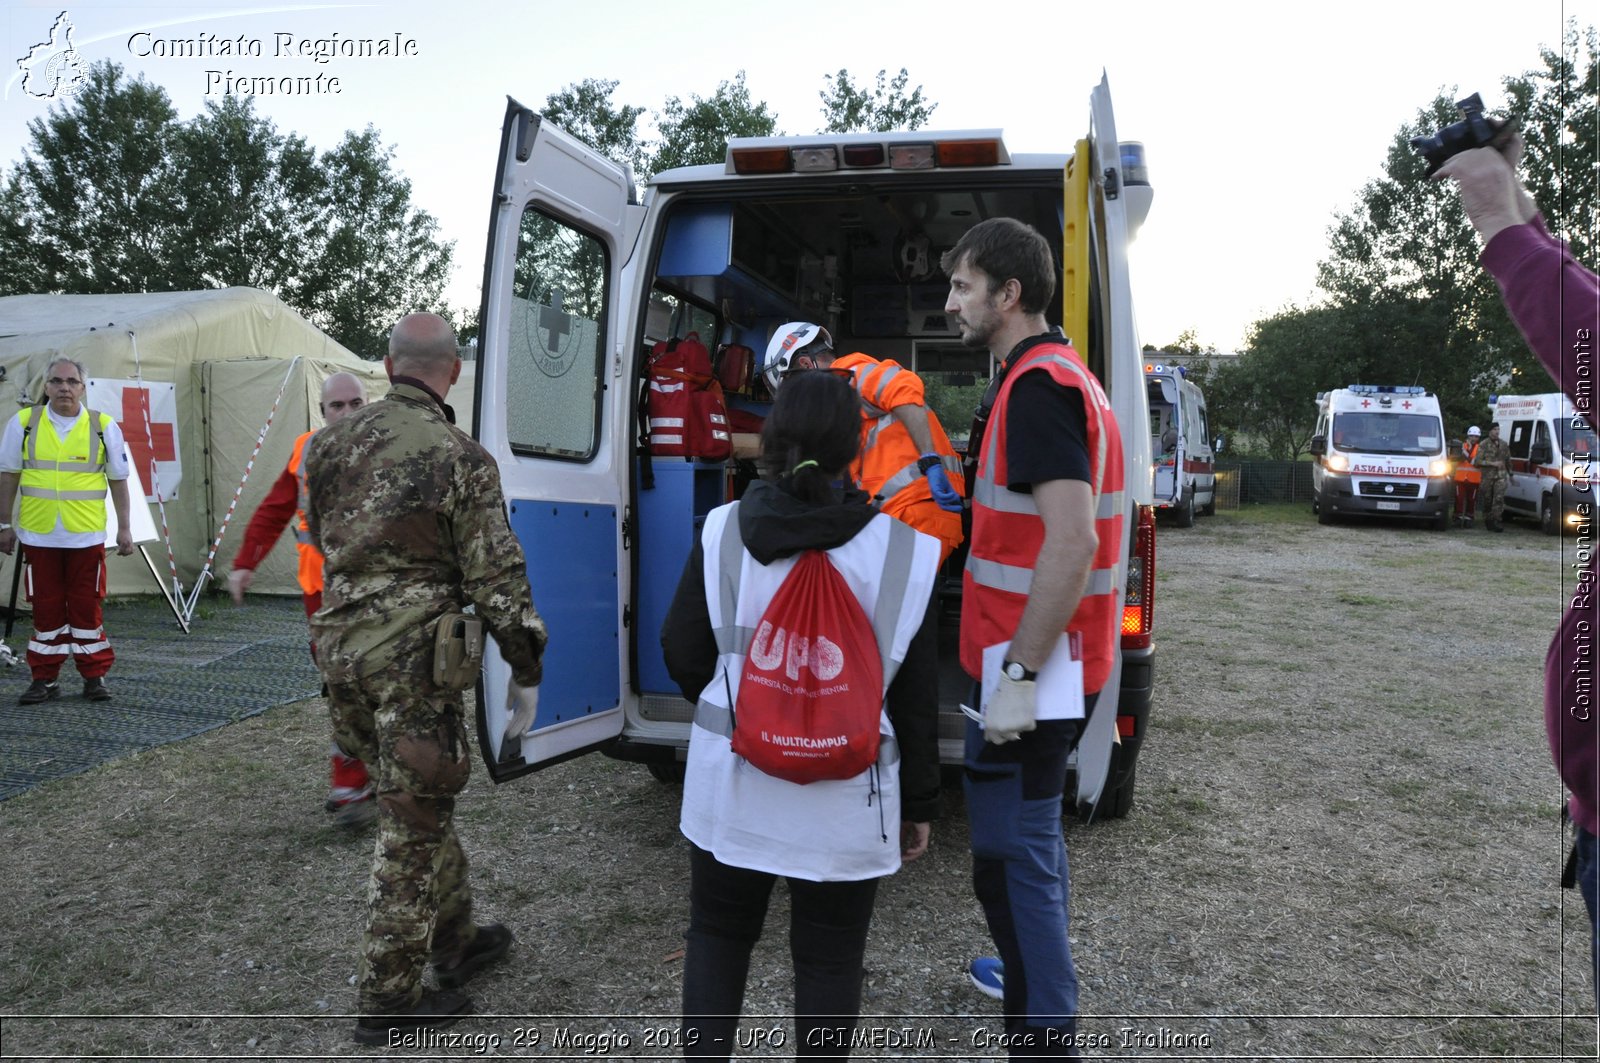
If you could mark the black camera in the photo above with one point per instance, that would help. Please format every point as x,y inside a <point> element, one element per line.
<point>1473,131</point>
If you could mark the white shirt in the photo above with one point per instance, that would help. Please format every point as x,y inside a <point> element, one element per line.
<point>116,469</point>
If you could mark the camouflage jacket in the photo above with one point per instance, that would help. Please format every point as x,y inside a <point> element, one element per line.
<point>408,512</point>
<point>1493,455</point>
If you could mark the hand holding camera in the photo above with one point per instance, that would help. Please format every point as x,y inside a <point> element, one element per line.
<point>1481,155</point>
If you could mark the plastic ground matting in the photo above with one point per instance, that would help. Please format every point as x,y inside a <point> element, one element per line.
<point>166,685</point>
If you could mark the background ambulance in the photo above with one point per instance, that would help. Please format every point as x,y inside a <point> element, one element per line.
<point>1380,452</point>
<point>1552,460</point>
<point>587,275</point>
<point>1183,459</point>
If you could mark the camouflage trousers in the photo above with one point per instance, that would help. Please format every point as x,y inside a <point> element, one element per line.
<point>419,902</point>
<point>1492,496</point>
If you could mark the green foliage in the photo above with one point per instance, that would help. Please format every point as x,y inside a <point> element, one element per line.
<point>586,111</point>
<point>116,195</point>
<point>848,108</point>
<point>380,258</point>
<point>698,132</point>
<point>94,206</point>
<point>1405,300</point>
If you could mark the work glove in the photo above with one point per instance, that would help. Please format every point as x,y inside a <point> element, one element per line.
<point>1010,711</point>
<point>524,705</point>
<point>939,484</point>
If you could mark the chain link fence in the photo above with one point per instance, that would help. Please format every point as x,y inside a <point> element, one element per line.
<point>1254,482</point>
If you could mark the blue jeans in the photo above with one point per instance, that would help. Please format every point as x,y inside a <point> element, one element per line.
<point>1020,876</point>
<point>1588,850</point>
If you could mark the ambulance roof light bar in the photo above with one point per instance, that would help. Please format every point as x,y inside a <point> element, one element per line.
<point>1157,367</point>
<point>1387,389</point>
<point>866,151</point>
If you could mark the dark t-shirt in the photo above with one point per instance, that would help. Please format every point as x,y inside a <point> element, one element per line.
<point>1047,434</point>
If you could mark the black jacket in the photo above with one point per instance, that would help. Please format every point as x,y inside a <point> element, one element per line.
<point>775,524</point>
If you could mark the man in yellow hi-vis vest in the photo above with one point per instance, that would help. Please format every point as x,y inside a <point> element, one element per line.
<point>64,458</point>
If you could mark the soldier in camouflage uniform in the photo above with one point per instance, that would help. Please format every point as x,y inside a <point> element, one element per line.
<point>1493,458</point>
<point>408,511</point>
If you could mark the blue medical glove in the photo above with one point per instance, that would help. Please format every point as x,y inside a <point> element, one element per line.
<point>939,484</point>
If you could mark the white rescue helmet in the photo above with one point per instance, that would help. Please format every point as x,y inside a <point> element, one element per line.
<point>1473,431</point>
<point>790,340</point>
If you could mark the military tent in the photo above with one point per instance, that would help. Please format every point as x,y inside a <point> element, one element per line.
<point>191,377</point>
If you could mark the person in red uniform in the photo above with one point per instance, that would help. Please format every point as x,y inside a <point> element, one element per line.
<point>351,795</point>
<point>1048,512</point>
<point>63,459</point>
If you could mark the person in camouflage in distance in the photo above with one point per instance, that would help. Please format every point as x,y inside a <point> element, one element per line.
<point>1493,459</point>
<point>408,512</point>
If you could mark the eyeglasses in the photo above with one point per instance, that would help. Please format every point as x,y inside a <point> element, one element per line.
<point>69,381</point>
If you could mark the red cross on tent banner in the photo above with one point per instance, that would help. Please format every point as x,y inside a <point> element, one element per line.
<point>148,417</point>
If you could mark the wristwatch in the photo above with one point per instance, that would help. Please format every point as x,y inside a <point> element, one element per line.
<point>926,462</point>
<point>1014,671</point>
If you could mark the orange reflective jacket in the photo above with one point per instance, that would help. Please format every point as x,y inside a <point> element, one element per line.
<point>310,573</point>
<point>886,468</point>
<point>1466,472</point>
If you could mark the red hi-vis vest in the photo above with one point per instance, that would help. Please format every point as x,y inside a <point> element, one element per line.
<point>1007,530</point>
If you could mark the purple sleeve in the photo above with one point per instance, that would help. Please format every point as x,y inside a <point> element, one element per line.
<point>1554,301</point>
<point>1556,304</point>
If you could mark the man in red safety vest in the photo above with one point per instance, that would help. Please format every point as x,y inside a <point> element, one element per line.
<point>1046,543</point>
<point>350,798</point>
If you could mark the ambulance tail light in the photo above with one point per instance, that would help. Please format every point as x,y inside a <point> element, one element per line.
<point>1138,608</point>
<point>747,161</point>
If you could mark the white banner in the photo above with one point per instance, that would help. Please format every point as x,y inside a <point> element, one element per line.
<point>154,446</point>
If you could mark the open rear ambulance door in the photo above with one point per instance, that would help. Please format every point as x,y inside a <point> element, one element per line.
<point>550,358</point>
<point>1097,218</point>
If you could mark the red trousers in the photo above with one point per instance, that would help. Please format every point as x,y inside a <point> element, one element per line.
<point>65,588</point>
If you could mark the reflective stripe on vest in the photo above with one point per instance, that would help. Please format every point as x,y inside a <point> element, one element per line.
<point>887,463</point>
<point>73,490</point>
<point>733,639</point>
<point>1007,530</point>
<point>309,573</point>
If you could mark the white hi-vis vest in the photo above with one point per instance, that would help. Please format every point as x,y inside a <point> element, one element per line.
<point>65,477</point>
<point>841,830</point>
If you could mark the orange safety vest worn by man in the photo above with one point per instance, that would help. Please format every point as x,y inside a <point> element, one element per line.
<point>906,463</point>
<point>351,793</point>
<point>1468,476</point>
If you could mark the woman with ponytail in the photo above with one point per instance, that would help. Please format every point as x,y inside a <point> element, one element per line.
<point>831,840</point>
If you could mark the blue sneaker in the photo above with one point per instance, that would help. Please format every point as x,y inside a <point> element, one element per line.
<point>988,974</point>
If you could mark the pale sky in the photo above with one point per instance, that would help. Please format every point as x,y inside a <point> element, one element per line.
<point>1260,120</point>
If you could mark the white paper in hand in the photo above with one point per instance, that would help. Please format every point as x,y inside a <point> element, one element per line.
<point>1059,686</point>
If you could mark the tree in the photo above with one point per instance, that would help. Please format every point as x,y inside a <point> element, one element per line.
<point>245,188</point>
<point>1555,107</point>
<point>94,205</point>
<point>847,108</point>
<point>380,257</point>
<point>698,132</point>
<point>585,110</point>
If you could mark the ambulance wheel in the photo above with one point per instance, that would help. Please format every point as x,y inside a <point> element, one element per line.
<point>1549,521</point>
<point>1324,514</point>
<point>1116,801</point>
<point>1210,508</point>
<point>670,774</point>
<point>1442,521</point>
<point>1183,514</point>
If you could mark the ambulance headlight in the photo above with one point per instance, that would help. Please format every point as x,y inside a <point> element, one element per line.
<point>1439,467</point>
<point>1578,472</point>
<point>1338,463</point>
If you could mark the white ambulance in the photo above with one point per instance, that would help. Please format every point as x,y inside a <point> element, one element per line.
<point>1183,462</point>
<point>585,276</point>
<point>1553,452</point>
<point>1380,452</point>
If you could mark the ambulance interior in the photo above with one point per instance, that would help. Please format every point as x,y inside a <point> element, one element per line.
<point>859,259</point>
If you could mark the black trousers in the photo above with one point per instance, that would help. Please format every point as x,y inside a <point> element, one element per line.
<point>827,939</point>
